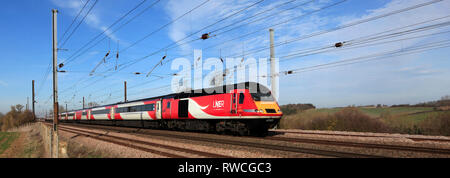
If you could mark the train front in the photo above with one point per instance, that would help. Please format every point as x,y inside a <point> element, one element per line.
<point>263,106</point>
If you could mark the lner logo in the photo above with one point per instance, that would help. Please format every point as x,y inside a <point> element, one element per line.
<point>218,104</point>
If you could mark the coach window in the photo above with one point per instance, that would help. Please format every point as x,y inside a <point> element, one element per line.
<point>168,104</point>
<point>152,107</point>
<point>241,98</point>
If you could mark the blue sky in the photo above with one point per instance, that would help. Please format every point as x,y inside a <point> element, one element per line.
<point>26,49</point>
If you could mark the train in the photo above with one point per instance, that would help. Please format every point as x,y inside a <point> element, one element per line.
<point>239,109</point>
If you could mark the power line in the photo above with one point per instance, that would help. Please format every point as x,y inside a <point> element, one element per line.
<point>271,15</point>
<point>199,30</point>
<point>78,25</point>
<point>71,59</point>
<point>41,85</point>
<point>122,68</point>
<point>131,19</point>
<point>341,27</point>
<point>320,33</point>
<point>257,14</point>
<point>164,26</point>
<point>366,39</point>
<point>191,34</point>
<point>370,38</point>
<point>168,47</point>
<point>104,31</point>
<point>240,37</point>
<point>73,21</point>
<point>415,49</point>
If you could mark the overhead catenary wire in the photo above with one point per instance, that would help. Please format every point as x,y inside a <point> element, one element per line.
<point>147,35</point>
<point>350,25</point>
<point>164,26</point>
<point>371,38</point>
<point>347,25</point>
<point>415,49</point>
<point>170,45</point>
<point>78,25</point>
<point>137,60</point>
<point>240,37</point>
<point>251,51</point>
<point>255,15</point>
<point>393,53</point>
<point>115,30</point>
<point>73,21</point>
<point>204,27</point>
<point>131,19</point>
<point>71,58</point>
<point>191,34</point>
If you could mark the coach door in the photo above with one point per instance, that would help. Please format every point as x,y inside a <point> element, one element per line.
<point>111,112</point>
<point>166,111</point>
<point>233,103</point>
<point>89,114</point>
<point>239,101</point>
<point>158,109</point>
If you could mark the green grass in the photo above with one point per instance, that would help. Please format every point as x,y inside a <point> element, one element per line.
<point>414,113</point>
<point>326,110</point>
<point>409,120</point>
<point>410,115</point>
<point>6,139</point>
<point>376,112</point>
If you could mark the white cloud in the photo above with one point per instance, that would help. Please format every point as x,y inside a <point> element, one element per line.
<point>2,83</point>
<point>93,19</point>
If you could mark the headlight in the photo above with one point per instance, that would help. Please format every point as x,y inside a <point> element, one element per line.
<point>261,111</point>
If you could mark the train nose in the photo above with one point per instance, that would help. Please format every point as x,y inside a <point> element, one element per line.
<point>268,107</point>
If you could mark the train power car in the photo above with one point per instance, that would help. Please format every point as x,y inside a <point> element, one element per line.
<point>240,109</point>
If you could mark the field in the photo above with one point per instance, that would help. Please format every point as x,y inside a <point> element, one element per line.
<point>408,120</point>
<point>6,140</point>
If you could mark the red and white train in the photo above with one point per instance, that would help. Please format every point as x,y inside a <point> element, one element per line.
<point>244,109</point>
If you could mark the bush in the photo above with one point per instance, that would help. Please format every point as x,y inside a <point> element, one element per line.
<point>300,120</point>
<point>15,118</point>
<point>347,119</point>
<point>294,108</point>
<point>437,125</point>
<point>350,119</point>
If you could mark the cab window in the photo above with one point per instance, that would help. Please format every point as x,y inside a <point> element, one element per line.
<point>241,98</point>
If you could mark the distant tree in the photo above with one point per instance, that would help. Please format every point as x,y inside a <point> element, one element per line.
<point>447,97</point>
<point>15,117</point>
<point>294,108</point>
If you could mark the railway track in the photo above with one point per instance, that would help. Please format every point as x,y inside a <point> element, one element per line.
<point>355,135</point>
<point>134,143</point>
<point>364,145</point>
<point>283,148</point>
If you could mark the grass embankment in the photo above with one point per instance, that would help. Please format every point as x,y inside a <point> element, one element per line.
<point>408,120</point>
<point>6,139</point>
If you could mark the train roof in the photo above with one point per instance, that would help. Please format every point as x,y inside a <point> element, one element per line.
<point>193,93</point>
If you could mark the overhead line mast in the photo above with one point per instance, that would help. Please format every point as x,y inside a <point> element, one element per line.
<point>54,148</point>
